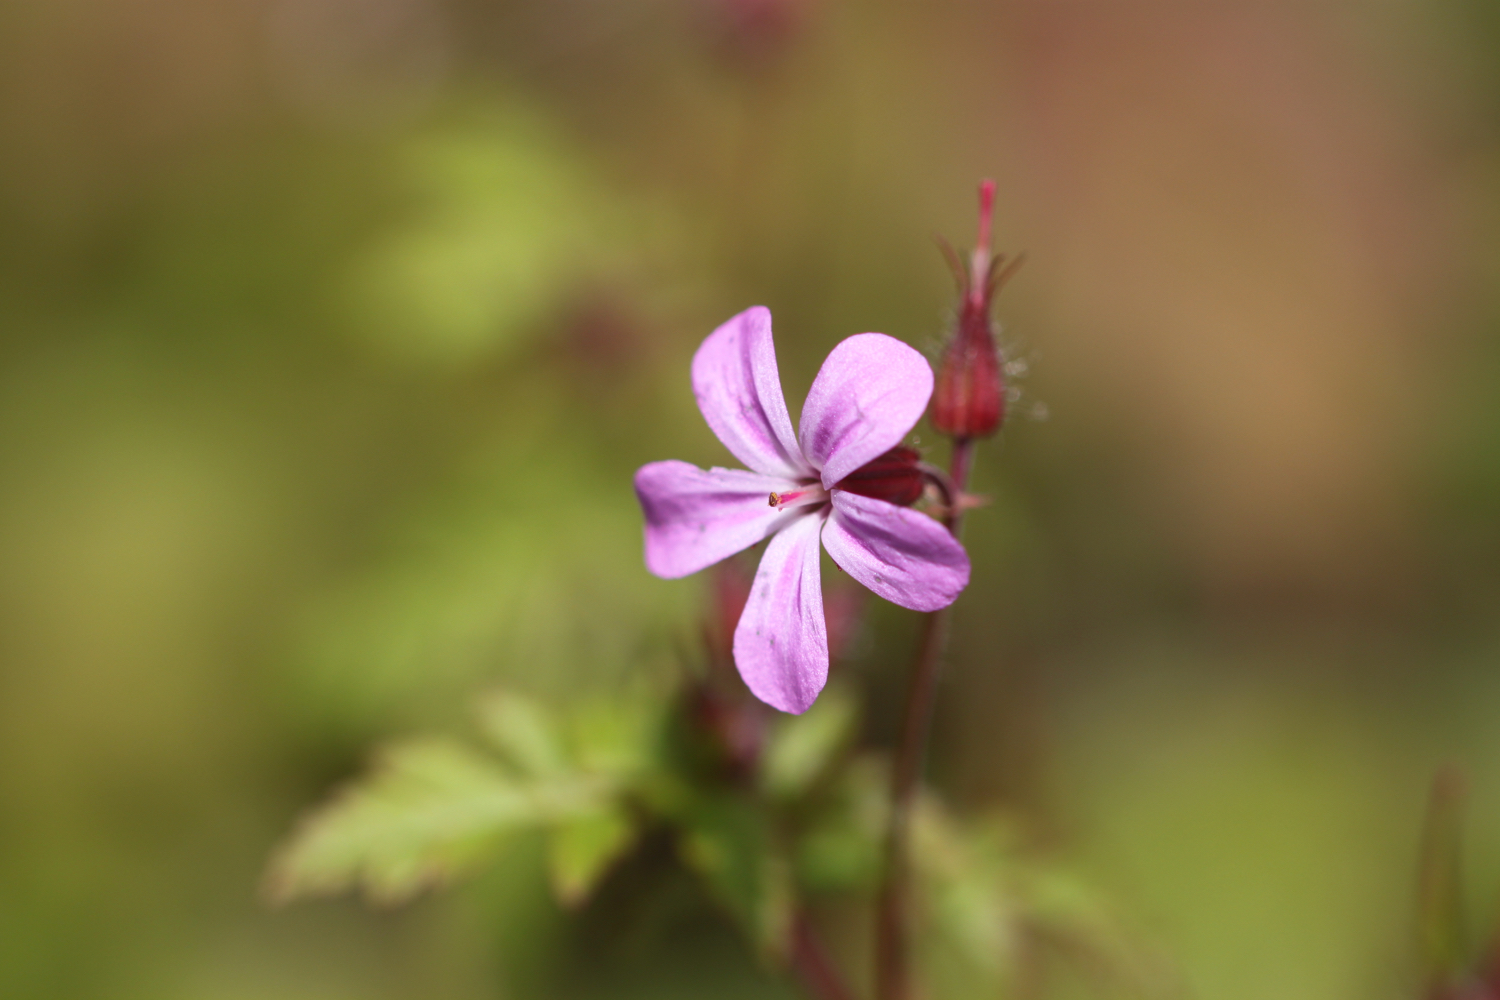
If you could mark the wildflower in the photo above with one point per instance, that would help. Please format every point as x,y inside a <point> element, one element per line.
<point>844,483</point>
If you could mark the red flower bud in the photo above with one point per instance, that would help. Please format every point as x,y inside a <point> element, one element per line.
<point>969,398</point>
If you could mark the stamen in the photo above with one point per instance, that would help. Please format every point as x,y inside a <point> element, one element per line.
<point>810,494</point>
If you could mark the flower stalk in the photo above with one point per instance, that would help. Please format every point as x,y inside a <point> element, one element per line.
<point>819,976</point>
<point>968,403</point>
<point>893,909</point>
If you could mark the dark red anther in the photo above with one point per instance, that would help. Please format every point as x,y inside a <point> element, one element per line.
<point>968,400</point>
<point>893,477</point>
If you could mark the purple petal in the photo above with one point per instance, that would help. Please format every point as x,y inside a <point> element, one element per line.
<point>781,644</point>
<point>695,517</point>
<point>739,392</point>
<point>904,556</point>
<point>868,394</point>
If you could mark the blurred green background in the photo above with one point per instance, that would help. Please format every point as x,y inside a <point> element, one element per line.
<point>331,332</point>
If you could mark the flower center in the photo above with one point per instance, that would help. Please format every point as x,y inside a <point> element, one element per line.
<point>802,496</point>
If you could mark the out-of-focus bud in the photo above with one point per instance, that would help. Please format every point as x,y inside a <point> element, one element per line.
<point>754,33</point>
<point>969,398</point>
<point>729,722</point>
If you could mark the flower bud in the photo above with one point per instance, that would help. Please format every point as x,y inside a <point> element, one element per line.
<point>968,400</point>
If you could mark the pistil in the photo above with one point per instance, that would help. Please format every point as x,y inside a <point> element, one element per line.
<point>803,496</point>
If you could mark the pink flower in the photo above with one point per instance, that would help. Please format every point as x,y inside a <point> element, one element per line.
<point>870,392</point>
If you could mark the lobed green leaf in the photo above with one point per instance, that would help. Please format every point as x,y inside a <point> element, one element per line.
<point>427,811</point>
<point>525,733</point>
<point>581,849</point>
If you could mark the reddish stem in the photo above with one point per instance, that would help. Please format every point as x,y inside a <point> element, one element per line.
<point>816,970</point>
<point>893,909</point>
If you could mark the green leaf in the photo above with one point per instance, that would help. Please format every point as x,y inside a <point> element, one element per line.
<point>619,738</point>
<point>800,748</point>
<point>842,844</point>
<point>1071,914</point>
<point>969,896</point>
<point>984,900</point>
<point>428,811</point>
<point>525,733</point>
<point>728,841</point>
<point>581,849</point>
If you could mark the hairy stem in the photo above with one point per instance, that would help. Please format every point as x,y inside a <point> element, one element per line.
<point>893,909</point>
